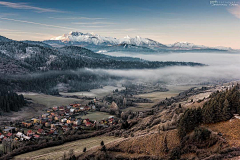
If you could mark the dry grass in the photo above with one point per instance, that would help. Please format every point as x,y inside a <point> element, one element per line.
<point>150,144</point>
<point>230,130</point>
<point>58,151</point>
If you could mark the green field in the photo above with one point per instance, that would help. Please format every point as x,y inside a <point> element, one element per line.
<point>50,101</point>
<point>156,97</point>
<point>58,151</point>
<point>96,116</point>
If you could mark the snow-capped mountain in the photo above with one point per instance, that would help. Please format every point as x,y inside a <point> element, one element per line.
<point>91,38</point>
<point>191,46</point>
<point>186,46</point>
<point>133,44</point>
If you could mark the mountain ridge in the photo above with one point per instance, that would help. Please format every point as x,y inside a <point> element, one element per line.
<point>97,42</point>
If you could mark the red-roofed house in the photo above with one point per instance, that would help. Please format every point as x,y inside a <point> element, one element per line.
<point>88,124</point>
<point>36,136</point>
<point>30,133</point>
<point>9,134</point>
<point>40,131</point>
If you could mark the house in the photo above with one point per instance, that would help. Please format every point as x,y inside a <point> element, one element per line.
<point>70,121</point>
<point>75,126</point>
<point>47,124</point>
<point>65,128</point>
<point>72,110</point>
<point>75,105</point>
<point>27,123</point>
<point>30,133</point>
<point>26,137</point>
<point>19,135</point>
<point>1,137</point>
<point>49,110</point>
<point>45,115</point>
<point>57,118</point>
<point>35,120</point>
<point>56,125</point>
<point>81,108</point>
<point>110,120</point>
<point>86,108</point>
<point>36,136</point>
<point>9,134</point>
<point>64,120</point>
<point>61,108</point>
<point>88,124</point>
<point>55,108</point>
<point>40,131</point>
<point>85,121</point>
<point>9,129</point>
<point>77,122</point>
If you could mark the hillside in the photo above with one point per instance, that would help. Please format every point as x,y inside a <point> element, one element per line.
<point>157,136</point>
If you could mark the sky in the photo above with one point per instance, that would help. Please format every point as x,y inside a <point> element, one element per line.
<point>203,22</point>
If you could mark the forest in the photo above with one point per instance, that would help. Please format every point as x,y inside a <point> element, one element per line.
<point>10,101</point>
<point>221,107</point>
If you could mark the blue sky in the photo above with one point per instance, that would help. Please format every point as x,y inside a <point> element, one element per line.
<point>166,21</point>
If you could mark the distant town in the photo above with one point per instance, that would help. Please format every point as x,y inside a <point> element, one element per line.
<point>56,121</point>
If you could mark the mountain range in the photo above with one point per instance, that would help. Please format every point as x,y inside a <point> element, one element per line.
<point>101,44</point>
<point>30,56</point>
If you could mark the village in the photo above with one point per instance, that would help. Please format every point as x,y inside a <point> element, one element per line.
<point>55,122</point>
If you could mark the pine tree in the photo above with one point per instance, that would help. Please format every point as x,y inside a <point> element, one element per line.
<point>226,110</point>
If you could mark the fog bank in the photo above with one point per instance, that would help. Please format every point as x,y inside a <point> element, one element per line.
<point>221,67</point>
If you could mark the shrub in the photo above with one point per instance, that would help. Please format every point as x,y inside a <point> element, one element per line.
<point>201,134</point>
<point>175,153</point>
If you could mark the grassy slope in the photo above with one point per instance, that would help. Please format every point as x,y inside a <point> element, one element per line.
<point>156,97</point>
<point>229,129</point>
<point>58,151</point>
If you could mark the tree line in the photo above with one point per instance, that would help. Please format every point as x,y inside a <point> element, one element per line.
<point>220,107</point>
<point>10,101</point>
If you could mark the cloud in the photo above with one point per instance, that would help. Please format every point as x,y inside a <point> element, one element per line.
<point>235,11</point>
<point>35,23</point>
<point>71,18</point>
<point>90,23</point>
<point>26,6</point>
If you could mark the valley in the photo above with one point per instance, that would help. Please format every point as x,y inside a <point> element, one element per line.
<point>151,133</point>
<point>119,80</point>
<point>132,103</point>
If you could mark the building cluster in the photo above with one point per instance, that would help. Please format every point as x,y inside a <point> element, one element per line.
<point>55,121</point>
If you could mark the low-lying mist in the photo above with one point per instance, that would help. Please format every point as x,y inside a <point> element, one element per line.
<point>221,67</point>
